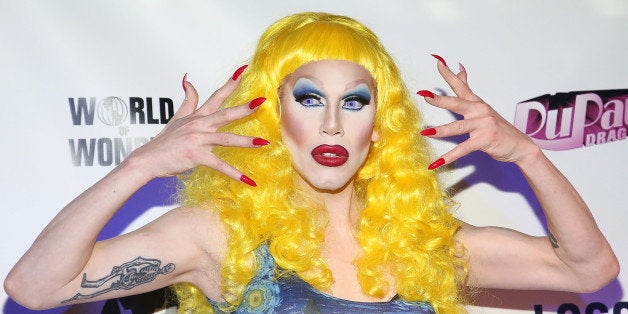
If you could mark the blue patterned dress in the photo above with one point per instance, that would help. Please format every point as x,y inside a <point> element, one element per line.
<point>292,295</point>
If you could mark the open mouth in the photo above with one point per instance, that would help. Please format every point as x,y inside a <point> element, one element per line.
<point>330,155</point>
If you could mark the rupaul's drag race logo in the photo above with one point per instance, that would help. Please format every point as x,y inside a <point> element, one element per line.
<point>115,118</point>
<point>575,119</point>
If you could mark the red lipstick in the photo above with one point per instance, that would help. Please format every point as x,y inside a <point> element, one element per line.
<point>330,155</point>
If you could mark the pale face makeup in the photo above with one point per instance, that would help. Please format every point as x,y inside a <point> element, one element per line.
<point>327,115</point>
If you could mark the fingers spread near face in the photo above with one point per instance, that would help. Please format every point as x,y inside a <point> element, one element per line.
<point>488,131</point>
<point>189,137</point>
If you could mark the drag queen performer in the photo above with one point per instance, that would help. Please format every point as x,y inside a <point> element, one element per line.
<point>308,186</point>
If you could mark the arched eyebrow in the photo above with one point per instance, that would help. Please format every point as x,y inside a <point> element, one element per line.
<point>357,82</point>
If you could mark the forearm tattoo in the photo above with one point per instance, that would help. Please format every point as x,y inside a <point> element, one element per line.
<point>126,276</point>
<point>553,240</point>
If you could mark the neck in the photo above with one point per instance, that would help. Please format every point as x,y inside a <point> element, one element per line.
<point>342,208</point>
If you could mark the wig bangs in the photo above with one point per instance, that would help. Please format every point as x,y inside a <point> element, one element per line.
<point>320,41</point>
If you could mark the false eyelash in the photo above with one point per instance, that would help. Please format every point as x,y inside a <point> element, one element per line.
<point>305,96</point>
<point>360,99</point>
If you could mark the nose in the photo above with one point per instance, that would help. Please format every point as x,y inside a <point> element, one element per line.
<point>332,123</point>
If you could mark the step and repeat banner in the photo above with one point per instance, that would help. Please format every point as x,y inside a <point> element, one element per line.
<point>85,83</point>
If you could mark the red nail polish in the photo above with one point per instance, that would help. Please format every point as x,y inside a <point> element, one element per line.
<point>239,71</point>
<point>256,102</point>
<point>430,131</point>
<point>440,59</point>
<point>185,79</point>
<point>425,93</point>
<point>247,180</point>
<point>439,162</point>
<point>260,142</point>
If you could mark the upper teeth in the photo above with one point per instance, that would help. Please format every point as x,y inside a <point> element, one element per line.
<point>330,155</point>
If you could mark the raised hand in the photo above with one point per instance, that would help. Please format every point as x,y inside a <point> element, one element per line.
<point>188,139</point>
<point>488,131</point>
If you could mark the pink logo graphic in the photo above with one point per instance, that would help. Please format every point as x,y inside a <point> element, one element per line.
<point>575,119</point>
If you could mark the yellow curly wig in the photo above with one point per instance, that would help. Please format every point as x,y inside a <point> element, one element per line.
<point>405,226</point>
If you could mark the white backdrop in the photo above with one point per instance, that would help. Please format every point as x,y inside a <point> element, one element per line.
<point>138,51</point>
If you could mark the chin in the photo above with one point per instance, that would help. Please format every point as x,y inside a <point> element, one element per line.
<point>328,188</point>
<point>331,185</point>
<point>325,179</point>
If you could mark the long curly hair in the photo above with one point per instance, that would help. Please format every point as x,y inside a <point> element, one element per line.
<point>405,227</point>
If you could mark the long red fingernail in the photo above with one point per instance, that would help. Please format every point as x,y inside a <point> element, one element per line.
<point>439,162</point>
<point>256,102</point>
<point>185,79</point>
<point>430,131</point>
<point>440,59</point>
<point>425,93</point>
<point>260,142</point>
<point>239,71</point>
<point>247,180</point>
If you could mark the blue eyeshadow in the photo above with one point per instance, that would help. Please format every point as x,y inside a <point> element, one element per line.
<point>361,91</point>
<point>303,87</point>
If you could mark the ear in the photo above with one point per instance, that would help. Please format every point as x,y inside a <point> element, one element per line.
<point>375,136</point>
